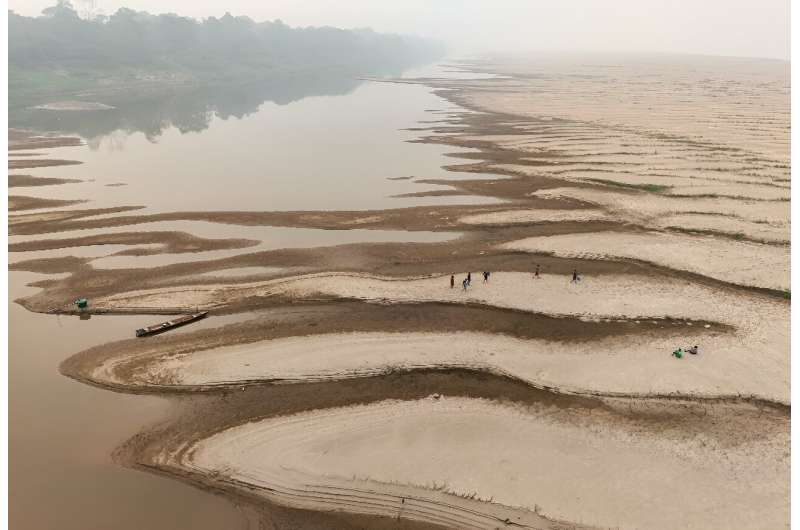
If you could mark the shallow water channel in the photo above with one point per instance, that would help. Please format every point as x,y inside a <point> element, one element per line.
<point>62,433</point>
<point>343,148</point>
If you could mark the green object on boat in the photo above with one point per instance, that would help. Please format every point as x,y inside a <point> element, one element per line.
<point>82,303</point>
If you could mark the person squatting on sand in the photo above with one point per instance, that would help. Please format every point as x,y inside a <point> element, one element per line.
<point>680,351</point>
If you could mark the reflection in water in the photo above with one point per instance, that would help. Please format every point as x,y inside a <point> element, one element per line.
<point>326,152</point>
<point>319,153</point>
<point>189,109</point>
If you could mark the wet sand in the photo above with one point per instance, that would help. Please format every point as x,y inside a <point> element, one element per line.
<point>589,368</point>
<point>89,489</point>
<point>680,236</point>
<point>16,180</point>
<point>33,162</point>
<point>20,202</point>
<point>169,242</point>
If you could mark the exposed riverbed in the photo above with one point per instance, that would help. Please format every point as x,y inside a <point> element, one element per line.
<point>330,238</point>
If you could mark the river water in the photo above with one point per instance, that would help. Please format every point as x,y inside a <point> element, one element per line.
<point>327,147</point>
<point>340,152</point>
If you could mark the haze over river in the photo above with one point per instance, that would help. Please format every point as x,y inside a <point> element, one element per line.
<point>310,151</point>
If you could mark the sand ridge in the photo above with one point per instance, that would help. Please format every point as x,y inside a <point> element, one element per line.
<point>644,207</point>
<point>761,325</point>
<point>738,262</point>
<point>515,457</point>
<point>534,216</point>
<point>630,366</point>
<point>698,162</point>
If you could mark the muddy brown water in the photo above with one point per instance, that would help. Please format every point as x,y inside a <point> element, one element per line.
<point>320,153</point>
<point>345,152</point>
<point>62,434</point>
<point>323,152</point>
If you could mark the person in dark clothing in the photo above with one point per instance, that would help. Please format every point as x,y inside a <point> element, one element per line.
<point>464,284</point>
<point>693,350</point>
<point>575,277</point>
<point>469,278</point>
<point>452,280</point>
<point>485,276</point>
<point>536,273</point>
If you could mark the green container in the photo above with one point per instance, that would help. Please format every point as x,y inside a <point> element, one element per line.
<point>82,303</point>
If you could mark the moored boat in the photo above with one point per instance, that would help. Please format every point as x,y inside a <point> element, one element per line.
<point>170,324</point>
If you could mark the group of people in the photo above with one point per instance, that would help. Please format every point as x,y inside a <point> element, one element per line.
<point>467,281</point>
<point>680,351</point>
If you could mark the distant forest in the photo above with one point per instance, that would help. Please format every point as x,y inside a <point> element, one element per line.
<point>60,52</point>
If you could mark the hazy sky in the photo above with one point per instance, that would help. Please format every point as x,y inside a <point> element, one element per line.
<point>757,28</point>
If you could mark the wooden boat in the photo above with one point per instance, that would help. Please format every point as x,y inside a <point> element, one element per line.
<point>170,324</point>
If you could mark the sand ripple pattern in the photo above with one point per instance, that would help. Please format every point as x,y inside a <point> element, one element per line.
<point>741,263</point>
<point>750,360</point>
<point>395,458</point>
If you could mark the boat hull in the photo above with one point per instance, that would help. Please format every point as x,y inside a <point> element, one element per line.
<point>170,324</point>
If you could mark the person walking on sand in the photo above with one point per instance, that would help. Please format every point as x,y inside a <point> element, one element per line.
<point>464,284</point>
<point>485,276</point>
<point>536,272</point>
<point>452,280</point>
<point>469,278</point>
<point>575,277</point>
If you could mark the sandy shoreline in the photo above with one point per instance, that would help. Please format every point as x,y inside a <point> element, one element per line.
<point>544,389</point>
<point>20,202</point>
<point>727,336</point>
<point>18,181</point>
<point>371,444</point>
<point>740,263</point>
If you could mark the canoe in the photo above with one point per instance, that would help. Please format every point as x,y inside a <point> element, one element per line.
<point>170,324</point>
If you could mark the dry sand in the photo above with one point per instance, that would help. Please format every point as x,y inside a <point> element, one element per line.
<point>590,473</point>
<point>738,262</point>
<point>764,232</point>
<point>630,365</point>
<point>644,207</point>
<point>600,182</point>
<point>511,217</point>
<point>761,325</point>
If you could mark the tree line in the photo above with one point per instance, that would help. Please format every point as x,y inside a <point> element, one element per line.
<point>62,39</point>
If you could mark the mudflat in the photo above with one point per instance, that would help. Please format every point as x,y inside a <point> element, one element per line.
<point>360,388</point>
